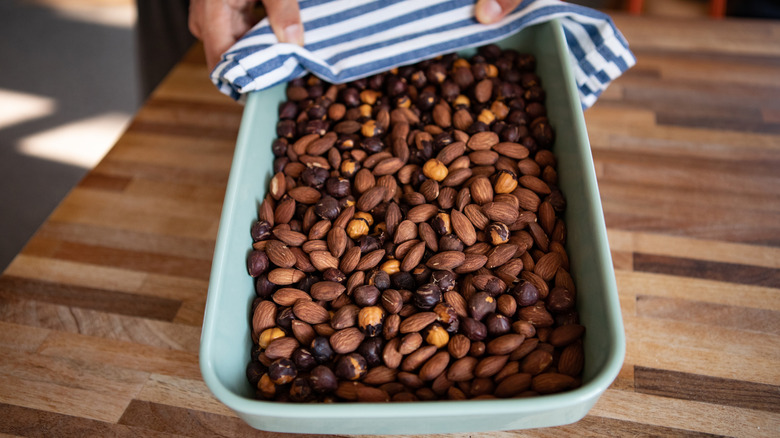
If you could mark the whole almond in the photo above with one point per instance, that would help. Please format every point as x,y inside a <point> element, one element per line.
<point>279,254</point>
<point>571,360</point>
<point>285,276</point>
<point>346,340</point>
<point>434,366</point>
<point>536,315</point>
<point>459,346</point>
<point>417,322</point>
<point>284,211</point>
<point>305,195</point>
<point>500,212</point>
<point>513,385</point>
<point>390,355</point>
<point>410,343</point>
<point>337,241</point>
<point>319,229</point>
<point>326,290</point>
<point>371,198</point>
<point>323,260</point>
<point>314,245</point>
<point>370,260</point>
<point>302,331</point>
<point>310,312</point>
<point>281,348</point>
<point>413,257</point>
<point>527,199</point>
<point>490,365</point>
<point>302,143</point>
<point>442,114</point>
<point>379,375</point>
<point>536,362</point>
<point>422,213</point>
<point>456,300</point>
<point>481,190</point>
<point>278,186</point>
<point>505,344</point>
<point>511,150</point>
<point>564,335</point>
<point>322,144</point>
<point>392,218</point>
<point>415,360</point>
<point>373,159</point>
<point>549,383</point>
<point>392,300</point>
<point>388,166</point>
<point>287,296</point>
<point>446,260</point>
<point>534,184</point>
<point>476,215</point>
<point>547,265</point>
<point>500,254</point>
<point>483,90</point>
<point>406,230</point>
<point>289,237</point>
<point>483,157</point>
<point>302,261</point>
<point>462,370</point>
<point>263,317</point>
<point>345,317</point>
<point>471,263</point>
<point>449,153</point>
<point>402,249</point>
<point>483,140</point>
<point>457,177</point>
<point>463,227</point>
<point>350,260</point>
<point>426,233</point>
<point>364,180</point>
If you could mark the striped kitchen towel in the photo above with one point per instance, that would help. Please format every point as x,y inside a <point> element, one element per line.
<point>349,39</point>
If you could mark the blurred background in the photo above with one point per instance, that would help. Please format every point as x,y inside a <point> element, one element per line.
<point>71,81</point>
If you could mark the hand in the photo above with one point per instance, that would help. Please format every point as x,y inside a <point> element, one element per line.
<point>220,23</point>
<point>491,11</point>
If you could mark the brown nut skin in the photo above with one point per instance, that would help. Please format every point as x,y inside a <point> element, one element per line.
<point>282,371</point>
<point>370,320</point>
<point>352,366</point>
<point>480,304</point>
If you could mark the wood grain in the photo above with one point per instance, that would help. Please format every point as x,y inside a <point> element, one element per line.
<point>100,314</point>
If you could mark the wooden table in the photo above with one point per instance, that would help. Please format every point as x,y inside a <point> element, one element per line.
<point>100,313</point>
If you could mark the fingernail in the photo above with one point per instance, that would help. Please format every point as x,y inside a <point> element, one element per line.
<point>293,34</point>
<point>489,11</point>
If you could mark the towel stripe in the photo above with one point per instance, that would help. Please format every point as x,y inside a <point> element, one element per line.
<point>349,39</point>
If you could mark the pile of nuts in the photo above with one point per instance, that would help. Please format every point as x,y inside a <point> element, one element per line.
<point>411,244</point>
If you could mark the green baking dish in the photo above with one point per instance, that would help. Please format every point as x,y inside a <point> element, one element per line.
<point>226,340</point>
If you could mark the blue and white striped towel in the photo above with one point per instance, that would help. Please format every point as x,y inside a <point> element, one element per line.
<point>350,39</point>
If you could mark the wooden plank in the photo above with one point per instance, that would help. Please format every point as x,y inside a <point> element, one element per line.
<point>175,420</point>
<point>725,272</point>
<point>686,415</point>
<point>140,330</point>
<point>188,393</point>
<point>67,383</point>
<point>699,249</point>
<point>128,355</point>
<point>728,392</point>
<point>104,300</point>
<point>29,422</point>
<point>699,312</point>
<point>17,337</point>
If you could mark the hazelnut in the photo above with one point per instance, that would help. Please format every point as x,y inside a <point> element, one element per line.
<point>366,295</point>
<point>337,187</point>
<point>427,296</point>
<point>435,169</point>
<point>437,336</point>
<point>370,320</point>
<point>327,208</point>
<point>300,390</point>
<point>447,316</point>
<point>349,167</point>
<point>486,116</point>
<point>461,101</point>
<point>266,387</point>
<point>321,350</point>
<point>352,366</point>
<point>391,266</point>
<point>257,263</point>
<point>506,182</point>
<point>498,233</point>
<point>497,324</point>
<point>441,224</point>
<point>371,350</point>
<point>322,379</point>
<point>357,228</point>
<point>268,335</point>
<point>282,371</point>
<point>480,304</point>
<point>365,216</point>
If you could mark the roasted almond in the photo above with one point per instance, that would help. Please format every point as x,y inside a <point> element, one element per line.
<point>422,213</point>
<point>311,312</point>
<point>476,215</point>
<point>500,255</point>
<point>278,186</point>
<point>504,344</point>
<point>548,265</point>
<point>549,383</point>
<point>463,227</point>
<point>350,260</point>
<point>536,362</point>
<point>285,276</point>
<point>513,385</point>
<point>449,153</point>
<point>326,290</point>
<point>490,365</point>
<point>571,360</point>
<point>481,190</point>
<point>511,150</point>
<point>370,260</point>
<point>417,322</point>
<point>284,211</point>
<point>446,260</point>
<point>462,370</point>
<point>337,241</point>
<point>534,184</point>
<point>406,230</point>
<point>319,229</point>
<point>289,237</point>
<point>415,360</point>
<point>322,144</point>
<point>323,260</point>
<point>471,263</point>
<point>413,257</point>
<point>279,254</point>
<point>500,212</point>
<point>305,195</point>
<point>371,198</point>
<point>483,140</point>
<point>287,296</point>
<point>263,317</point>
<point>281,348</point>
<point>388,166</point>
<point>346,340</point>
<point>434,366</point>
<point>564,335</point>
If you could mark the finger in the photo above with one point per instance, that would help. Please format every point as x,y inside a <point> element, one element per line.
<point>285,19</point>
<point>491,11</point>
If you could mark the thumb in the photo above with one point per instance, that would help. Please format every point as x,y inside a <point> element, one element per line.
<point>491,11</point>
